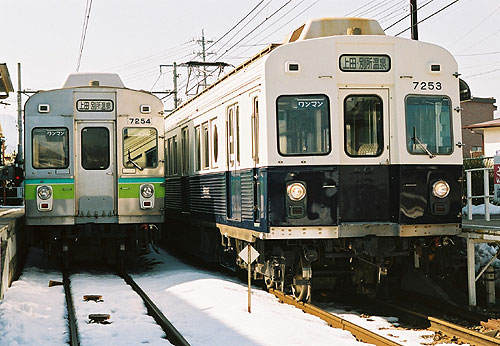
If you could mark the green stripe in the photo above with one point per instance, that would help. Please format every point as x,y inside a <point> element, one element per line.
<point>140,180</point>
<point>49,181</point>
<point>132,190</point>
<point>61,191</point>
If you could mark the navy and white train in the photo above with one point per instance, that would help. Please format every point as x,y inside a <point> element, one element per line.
<point>336,154</point>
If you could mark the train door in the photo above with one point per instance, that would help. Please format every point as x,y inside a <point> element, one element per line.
<point>255,159</point>
<point>365,158</point>
<point>95,160</point>
<point>233,162</point>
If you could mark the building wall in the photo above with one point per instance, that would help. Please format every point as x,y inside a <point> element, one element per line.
<point>475,111</point>
<point>491,141</point>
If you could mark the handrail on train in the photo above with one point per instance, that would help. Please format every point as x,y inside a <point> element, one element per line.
<point>486,193</point>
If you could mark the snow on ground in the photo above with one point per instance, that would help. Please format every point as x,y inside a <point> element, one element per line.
<point>32,313</point>
<point>130,324</point>
<point>480,210</point>
<point>207,308</point>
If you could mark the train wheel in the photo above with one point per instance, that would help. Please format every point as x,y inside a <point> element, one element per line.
<point>301,284</point>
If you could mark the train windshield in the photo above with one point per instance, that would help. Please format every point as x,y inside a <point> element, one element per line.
<point>303,125</point>
<point>50,148</point>
<point>363,125</point>
<point>140,147</point>
<point>95,148</point>
<point>428,125</point>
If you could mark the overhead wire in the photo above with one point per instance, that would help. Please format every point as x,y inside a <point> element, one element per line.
<point>84,32</point>
<point>430,16</point>
<point>258,26</point>
<point>409,14</point>
<point>244,26</point>
<point>476,26</point>
<point>241,20</point>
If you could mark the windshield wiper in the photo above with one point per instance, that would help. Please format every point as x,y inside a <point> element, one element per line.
<point>417,140</point>
<point>130,160</point>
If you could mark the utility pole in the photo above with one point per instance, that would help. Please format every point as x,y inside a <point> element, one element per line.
<point>174,91</point>
<point>414,21</point>
<point>19,157</point>
<point>203,56</point>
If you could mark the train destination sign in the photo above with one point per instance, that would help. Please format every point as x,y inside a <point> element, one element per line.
<point>94,105</point>
<point>365,63</point>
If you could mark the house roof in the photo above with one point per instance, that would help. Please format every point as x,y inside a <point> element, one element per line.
<point>485,124</point>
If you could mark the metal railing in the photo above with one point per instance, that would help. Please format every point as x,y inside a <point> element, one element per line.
<point>486,193</point>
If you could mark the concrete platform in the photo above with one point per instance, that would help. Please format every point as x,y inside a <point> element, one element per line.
<point>13,245</point>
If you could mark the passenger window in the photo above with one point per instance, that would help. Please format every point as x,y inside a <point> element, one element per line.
<point>364,128</point>
<point>95,148</point>
<point>50,148</point>
<point>215,143</point>
<point>303,125</point>
<point>206,147</point>
<point>197,145</point>
<point>140,147</point>
<point>255,130</point>
<point>185,151</point>
<point>428,125</point>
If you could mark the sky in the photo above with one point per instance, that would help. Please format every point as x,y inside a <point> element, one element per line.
<point>133,38</point>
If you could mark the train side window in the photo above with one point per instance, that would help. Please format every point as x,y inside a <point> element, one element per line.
<point>255,130</point>
<point>206,146</point>
<point>428,125</point>
<point>170,158</point>
<point>174,155</point>
<point>140,147</point>
<point>215,142</point>
<point>364,128</point>
<point>197,146</point>
<point>185,150</point>
<point>238,134</point>
<point>50,148</point>
<point>95,148</point>
<point>303,125</point>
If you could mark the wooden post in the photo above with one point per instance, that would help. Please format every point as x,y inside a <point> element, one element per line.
<point>249,263</point>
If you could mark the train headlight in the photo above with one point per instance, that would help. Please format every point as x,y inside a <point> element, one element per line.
<point>296,191</point>
<point>44,192</point>
<point>147,190</point>
<point>440,189</point>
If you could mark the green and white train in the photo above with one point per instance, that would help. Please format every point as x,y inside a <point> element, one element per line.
<point>94,173</point>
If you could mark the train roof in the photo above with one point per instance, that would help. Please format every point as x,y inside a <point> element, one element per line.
<point>332,26</point>
<point>93,79</point>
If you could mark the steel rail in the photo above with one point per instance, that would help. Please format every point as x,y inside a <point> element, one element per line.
<point>74,339</point>
<point>359,333</point>
<point>464,334</point>
<point>173,334</point>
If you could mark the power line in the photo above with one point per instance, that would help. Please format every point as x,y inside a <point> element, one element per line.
<point>84,32</point>
<point>432,15</point>
<point>482,73</point>
<point>241,20</point>
<point>244,26</point>
<point>409,14</point>
<point>475,27</point>
<point>265,20</point>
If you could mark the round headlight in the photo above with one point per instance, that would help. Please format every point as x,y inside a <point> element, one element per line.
<point>44,192</point>
<point>147,190</point>
<point>296,191</point>
<point>440,189</point>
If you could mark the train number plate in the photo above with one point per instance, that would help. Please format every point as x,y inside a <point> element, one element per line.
<point>427,86</point>
<point>139,121</point>
<point>94,105</point>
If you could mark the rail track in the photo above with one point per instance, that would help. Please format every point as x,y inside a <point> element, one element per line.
<point>434,324</point>
<point>172,334</point>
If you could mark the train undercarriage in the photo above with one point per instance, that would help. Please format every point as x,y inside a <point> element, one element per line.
<point>369,266</point>
<point>100,243</point>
